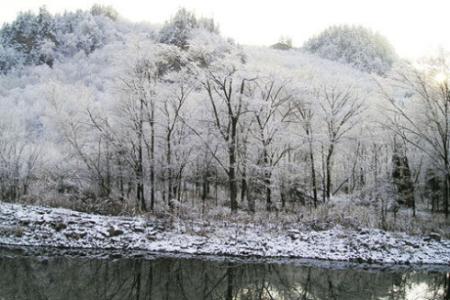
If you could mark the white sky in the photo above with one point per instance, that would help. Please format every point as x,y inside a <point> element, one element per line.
<point>414,27</point>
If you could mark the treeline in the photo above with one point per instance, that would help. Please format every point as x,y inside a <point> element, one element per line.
<point>186,117</point>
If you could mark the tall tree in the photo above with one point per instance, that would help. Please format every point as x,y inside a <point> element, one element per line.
<point>340,107</point>
<point>178,88</point>
<point>421,117</point>
<point>267,110</point>
<point>226,91</point>
<point>302,112</point>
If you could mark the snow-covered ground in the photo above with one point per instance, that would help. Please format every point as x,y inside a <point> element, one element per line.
<point>51,227</point>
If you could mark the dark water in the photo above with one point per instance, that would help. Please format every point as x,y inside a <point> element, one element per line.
<point>74,277</point>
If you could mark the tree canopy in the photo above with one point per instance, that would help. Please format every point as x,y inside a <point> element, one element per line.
<point>355,45</point>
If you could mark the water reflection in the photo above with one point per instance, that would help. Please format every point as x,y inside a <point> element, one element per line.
<point>23,277</point>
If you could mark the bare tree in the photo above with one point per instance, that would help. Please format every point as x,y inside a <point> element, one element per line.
<point>18,161</point>
<point>429,130</point>
<point>271,96</point>
<point>137,110</point>
<point>244,161</point>
<point>340,106</point>
<point>80,135</point>
<point>227,101</point>
<point>171,108</point>
<point>302,112</point>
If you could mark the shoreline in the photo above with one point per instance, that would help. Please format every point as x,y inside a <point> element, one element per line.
<point>34,226</point>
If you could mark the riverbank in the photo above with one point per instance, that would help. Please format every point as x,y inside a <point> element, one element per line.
<point>52,227</point>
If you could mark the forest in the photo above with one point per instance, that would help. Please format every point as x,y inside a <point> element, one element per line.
<point>103,115</point>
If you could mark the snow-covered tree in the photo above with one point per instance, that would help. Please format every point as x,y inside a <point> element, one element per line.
<point>179,29</point>
<point>270,96</point>
<point>355,45</point>
<point>9,58</point>
<point>104,10</point>
<point>420,102</point>
<point>33,36</point>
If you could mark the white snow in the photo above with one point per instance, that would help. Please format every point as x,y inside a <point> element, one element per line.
<point>53,227</point>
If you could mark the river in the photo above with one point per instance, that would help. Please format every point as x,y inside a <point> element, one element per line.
<point>84,276</point>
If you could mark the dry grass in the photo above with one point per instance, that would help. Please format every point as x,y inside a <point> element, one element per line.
<point>349,214</point>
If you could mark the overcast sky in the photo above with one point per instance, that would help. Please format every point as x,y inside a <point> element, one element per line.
<point>415,27</point>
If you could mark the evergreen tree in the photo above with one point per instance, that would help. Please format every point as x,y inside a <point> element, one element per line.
<point>178,30</point>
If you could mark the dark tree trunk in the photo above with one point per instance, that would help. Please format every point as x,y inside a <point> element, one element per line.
<point>169,172</point>
<point>267,180</point>
<point>244,185</point>
<point>152,158</point>
<point>324,175</point>
<point>268,194</point>
<point>446,194</point>
<point>329,171</point>
<point>120,179</point>
<point>313,170</point>
<point>107,190</point>
<point>205,190</point>
<point>233,189</point>
<point>232,167</point>
<point>139,163</point>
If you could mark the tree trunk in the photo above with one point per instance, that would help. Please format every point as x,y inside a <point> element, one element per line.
<point>169,172</point>
<point>244,185</point>
<point>446,194</point>
<point>268,193</point>
<point>267,181</point>
<point>152,158</point>
<point>232,186</point>
<point>205,190</point>
<point>216,187</point>
<point>121,185</point>
<point>232,167</point>
<point>324,175</point>
<point>329,171</point>
<point>108,171</point>
<point>313,170</point>
<point>139,166</point>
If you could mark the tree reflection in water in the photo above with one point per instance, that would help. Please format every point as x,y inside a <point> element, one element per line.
<point>25,277</point>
